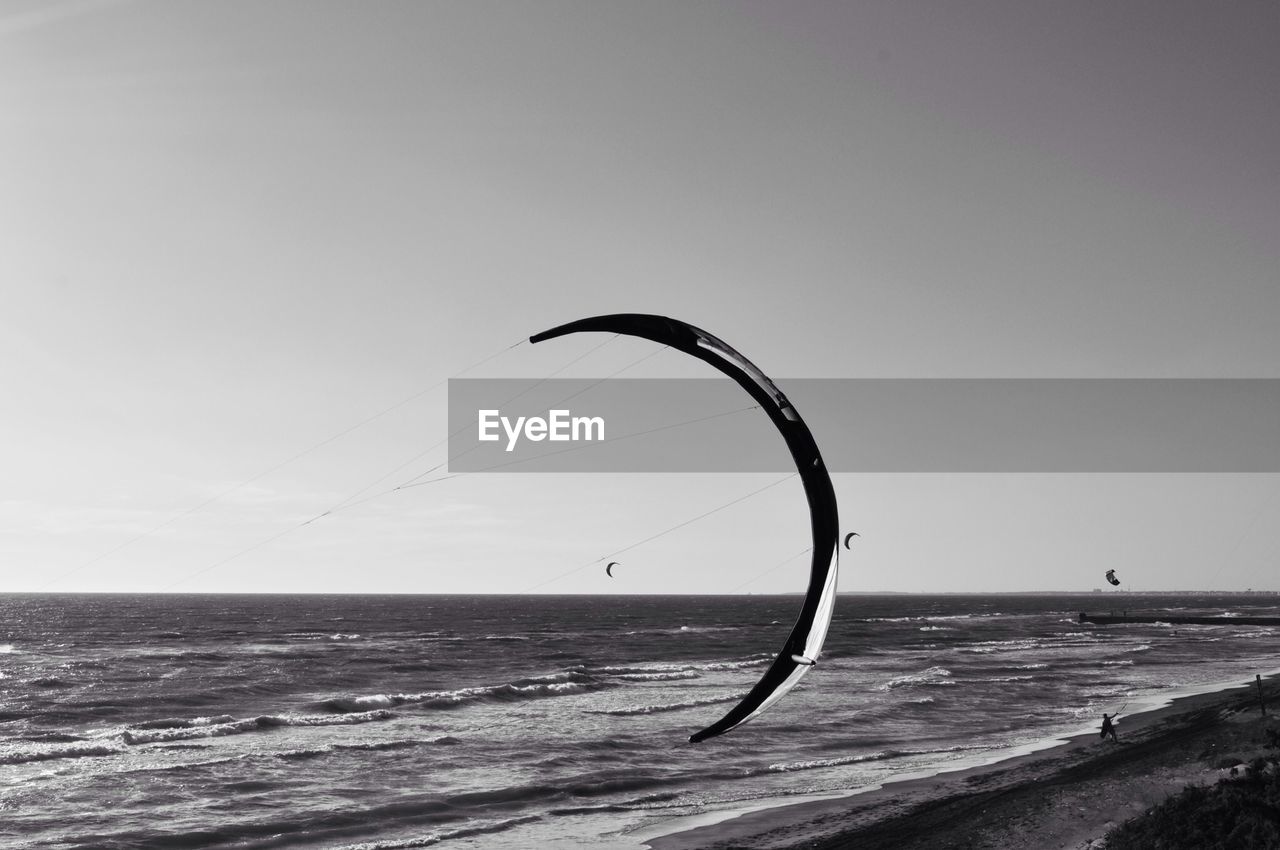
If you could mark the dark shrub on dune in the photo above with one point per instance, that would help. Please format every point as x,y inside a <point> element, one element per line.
<point>1236,814</point>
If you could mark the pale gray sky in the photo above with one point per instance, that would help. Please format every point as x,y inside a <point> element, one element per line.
<point>235,229</point>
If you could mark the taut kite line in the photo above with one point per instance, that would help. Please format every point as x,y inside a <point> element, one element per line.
<point>804,644</point>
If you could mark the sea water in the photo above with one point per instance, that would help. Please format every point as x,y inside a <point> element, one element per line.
<point>534,721</point>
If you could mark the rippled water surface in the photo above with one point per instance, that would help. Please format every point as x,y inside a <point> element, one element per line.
<point>511,722</point>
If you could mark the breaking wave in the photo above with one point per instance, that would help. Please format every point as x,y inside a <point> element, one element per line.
<point>667,706</point>
<point>373,746</point>
<point>667,676</point>
<point>810,764</point>
<point>248,724</point>
<point>443,835</point>
<point>25,755</point>
<point>182,723</point>
<point>934,676</point>
<point>554,685</point>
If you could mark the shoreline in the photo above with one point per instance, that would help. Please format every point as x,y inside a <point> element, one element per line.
<point>1062,792</point>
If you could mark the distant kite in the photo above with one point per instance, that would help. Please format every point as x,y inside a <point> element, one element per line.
<point>1111,577</point>
<point>850,536</point>
<point>609,569</point>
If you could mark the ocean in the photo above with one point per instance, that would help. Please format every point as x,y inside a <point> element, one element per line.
<point>372,722</point>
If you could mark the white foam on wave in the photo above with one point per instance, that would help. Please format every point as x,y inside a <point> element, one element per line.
<point>639,668</point>
<point>323,719</point>
<point>688,667</point>
<point>443,835</point>
<point>131,736</point>
<point>669,676</point>
<point>788,767</point>
<point>734,665</point>
<point>554,684</point>
<point>80,749</point>
<point>249,724</point>
<point>1000,679</point>
<point>182,722</point>
<point>934,676</point>
<point>986,647</point>
<point>667,706</point>
<point>921,619</point>
<point>366,746</point>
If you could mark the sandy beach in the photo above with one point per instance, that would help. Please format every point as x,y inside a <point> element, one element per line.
<point>1066,796</point>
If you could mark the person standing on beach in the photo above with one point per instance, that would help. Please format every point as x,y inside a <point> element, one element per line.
<point>1108,728</point>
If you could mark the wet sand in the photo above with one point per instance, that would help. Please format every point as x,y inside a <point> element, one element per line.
<point>1066,796</point>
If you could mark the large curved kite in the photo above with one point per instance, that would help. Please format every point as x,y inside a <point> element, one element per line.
<point>803,645</point>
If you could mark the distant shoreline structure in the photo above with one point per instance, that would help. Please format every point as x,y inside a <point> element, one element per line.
<point>1111,619</point>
